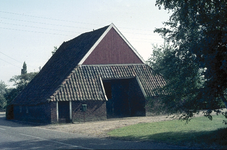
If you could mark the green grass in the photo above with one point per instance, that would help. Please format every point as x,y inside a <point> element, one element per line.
<point>199,131</point>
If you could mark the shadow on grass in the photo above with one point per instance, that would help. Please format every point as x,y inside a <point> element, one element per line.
<point>209,139</point>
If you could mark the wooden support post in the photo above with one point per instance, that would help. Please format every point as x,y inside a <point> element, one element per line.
<point>70,111</point>
<point>57,114</point>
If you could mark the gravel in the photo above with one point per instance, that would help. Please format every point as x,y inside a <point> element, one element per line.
<point>100,128</point>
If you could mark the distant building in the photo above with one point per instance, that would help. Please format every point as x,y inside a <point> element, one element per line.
<point>95,76</point>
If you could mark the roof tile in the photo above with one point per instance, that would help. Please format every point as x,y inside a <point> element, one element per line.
<point>86,85</point>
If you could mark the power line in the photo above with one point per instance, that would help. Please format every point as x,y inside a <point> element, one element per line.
<point>54,19</point>
<point>36,27</point>
<point>10,57</point>
<point>41,23</point>
<point>139,39</point>
<point>9,63</point>
<point>143,40</point>
<point>33,31</point>
<point>64,21</point>
<point>46,18</point>
<point>62,30</point>
<point>57,25</point>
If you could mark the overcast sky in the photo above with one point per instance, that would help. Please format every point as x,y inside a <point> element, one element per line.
<point>31,28</point>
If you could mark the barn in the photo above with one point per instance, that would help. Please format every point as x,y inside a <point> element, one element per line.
<point>95,76</point>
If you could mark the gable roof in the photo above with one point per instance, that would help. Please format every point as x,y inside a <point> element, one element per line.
<point>110,27</point>
<point>64,73</point>
<point>60,65</point>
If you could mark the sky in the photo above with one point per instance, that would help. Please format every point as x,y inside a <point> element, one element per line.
<point>30,29</point>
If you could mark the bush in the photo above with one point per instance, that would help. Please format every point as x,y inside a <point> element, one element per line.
<point>9,112</point>
<point>154,106</point>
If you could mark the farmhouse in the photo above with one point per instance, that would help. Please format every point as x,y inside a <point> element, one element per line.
<point>95,76</point>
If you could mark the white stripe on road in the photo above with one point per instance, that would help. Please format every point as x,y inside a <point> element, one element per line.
<point>2,129</point>
<point>33,136</point>
<point>54,141</point>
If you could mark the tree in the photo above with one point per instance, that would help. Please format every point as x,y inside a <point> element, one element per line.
<point>55,49</point>
<point>2,94</point>
<point>20,82</point>
<point>24,69</point>
<point>197,33</point>
<point>183,81</point>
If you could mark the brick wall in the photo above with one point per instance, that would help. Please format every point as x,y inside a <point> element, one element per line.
<point>38,113</point>
<point>53,113</point>
<point>46,113</point>
<point>96,110</point>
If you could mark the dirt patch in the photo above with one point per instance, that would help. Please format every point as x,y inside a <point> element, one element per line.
<point>100,128</point>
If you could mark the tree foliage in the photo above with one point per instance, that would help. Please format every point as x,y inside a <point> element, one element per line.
<point>2,94</point>
<point>24,69</point>
<point>20,82</point>
<point>197,33</point>
<point>55,49</point>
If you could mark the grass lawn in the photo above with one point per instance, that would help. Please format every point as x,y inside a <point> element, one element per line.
<point>199,131</point>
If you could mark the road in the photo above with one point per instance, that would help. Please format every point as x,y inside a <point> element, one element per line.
<point>14,135</point>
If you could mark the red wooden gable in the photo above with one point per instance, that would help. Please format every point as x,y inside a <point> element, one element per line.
<point>112,49</point>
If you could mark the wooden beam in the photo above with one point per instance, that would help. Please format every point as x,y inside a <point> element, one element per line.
<point>70,111</point>
<point>57,114</point>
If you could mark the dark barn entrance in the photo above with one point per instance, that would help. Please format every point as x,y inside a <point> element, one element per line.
<point>125,98</point>
<point>63,109</point>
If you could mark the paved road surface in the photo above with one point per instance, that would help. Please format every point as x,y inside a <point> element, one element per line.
<point>15,136</point>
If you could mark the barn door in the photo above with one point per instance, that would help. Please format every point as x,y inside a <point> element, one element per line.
<point>136,98</point>
<point>63,110</point>
<point>116,92</point>
<point>125,98</point>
